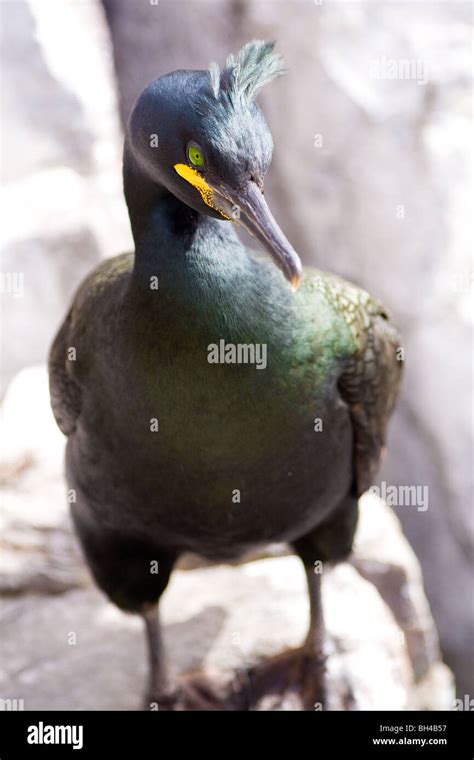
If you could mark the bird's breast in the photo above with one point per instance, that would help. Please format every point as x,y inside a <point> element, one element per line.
<point>214,438</point>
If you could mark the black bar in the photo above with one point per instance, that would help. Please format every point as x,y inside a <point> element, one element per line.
<point>219,734</point>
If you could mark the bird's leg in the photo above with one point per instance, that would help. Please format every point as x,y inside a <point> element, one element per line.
<point>314,643</point>
<point>316,631</point>
<point>193,691</point>
<point>295,678</point>
<point>160,694</point>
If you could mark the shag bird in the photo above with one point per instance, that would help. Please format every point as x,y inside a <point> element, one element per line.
<point>213,402</point>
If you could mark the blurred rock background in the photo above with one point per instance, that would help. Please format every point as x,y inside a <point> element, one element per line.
<point>60,167</point>
<point>370,179</point>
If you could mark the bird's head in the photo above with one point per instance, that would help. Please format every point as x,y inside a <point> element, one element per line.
<point>201,135</point>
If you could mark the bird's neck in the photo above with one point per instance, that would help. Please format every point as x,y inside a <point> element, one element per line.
<point>142,195</point>
<point>187,255</point>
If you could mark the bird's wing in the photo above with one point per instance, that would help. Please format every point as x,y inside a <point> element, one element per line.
<point>65,391</point>
<point>371,373</point>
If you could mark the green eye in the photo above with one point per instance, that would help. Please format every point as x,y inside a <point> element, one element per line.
<point>195,155</point>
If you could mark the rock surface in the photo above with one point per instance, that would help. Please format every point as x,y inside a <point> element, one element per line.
<point>65,646</point>
<point>61,168</point>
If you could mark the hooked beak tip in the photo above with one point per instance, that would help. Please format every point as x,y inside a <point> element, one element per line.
<point>295,282</point>
<point>255,216</point>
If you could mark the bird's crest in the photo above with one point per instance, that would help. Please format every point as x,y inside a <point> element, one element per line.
<point>245,73</point>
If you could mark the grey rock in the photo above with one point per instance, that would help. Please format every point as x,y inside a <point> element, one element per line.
<point>39,553</point>
<point>76,651</point>
<point>61,156</point>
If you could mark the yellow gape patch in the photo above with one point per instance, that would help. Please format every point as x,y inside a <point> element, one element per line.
<point>197,180</point>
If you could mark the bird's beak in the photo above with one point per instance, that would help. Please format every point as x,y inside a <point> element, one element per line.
<point>249,208</point>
